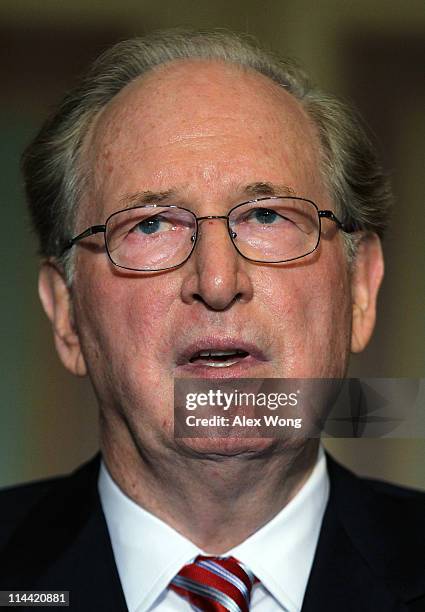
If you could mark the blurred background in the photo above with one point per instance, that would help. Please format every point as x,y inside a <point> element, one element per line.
<point>369,52</point>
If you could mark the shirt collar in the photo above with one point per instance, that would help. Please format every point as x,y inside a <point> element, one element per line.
<point>281,553</point>
<point>149,553</point>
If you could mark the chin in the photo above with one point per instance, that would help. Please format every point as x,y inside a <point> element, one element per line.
<point>216,448</point>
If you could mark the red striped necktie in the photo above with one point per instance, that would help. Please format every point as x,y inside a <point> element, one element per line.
<point>215,584</point>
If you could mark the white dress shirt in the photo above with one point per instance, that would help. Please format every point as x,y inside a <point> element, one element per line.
<point>149,553</point>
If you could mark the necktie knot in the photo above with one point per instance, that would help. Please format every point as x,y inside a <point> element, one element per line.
<point>215,584</point>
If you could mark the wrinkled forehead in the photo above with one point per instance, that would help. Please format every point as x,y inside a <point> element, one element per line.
<point>199,109</point>
<point>195,90</point>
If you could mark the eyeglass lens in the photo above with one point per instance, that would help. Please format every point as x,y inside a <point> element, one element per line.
<point>156,238</point>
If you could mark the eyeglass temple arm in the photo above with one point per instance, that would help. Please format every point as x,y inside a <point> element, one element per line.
<point>328,214</point>
<point>94,229</point>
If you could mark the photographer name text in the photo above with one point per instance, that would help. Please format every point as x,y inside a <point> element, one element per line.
<point>267,420</point>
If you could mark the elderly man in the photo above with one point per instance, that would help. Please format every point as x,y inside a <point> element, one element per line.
<point>204,213</point>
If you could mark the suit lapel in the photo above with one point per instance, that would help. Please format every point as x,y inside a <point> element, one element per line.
<point>64,545</point>
<point>89,565</point>
<point>341,579</point>
<point>366,558</point>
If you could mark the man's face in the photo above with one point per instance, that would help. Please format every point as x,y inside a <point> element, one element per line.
<point>213,135</point>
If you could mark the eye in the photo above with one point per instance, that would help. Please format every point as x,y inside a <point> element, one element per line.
<point>153,225</point>
<point>264,216</point>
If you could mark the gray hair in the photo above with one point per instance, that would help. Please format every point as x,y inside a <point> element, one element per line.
<point>53,172</point>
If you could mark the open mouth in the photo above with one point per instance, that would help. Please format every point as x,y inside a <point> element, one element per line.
<point>220,357</point>
<point>215,358</point>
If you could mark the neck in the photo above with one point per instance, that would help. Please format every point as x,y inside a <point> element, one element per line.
<point>206,497</point>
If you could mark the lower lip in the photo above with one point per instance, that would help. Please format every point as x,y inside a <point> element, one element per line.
<point>240,368</point>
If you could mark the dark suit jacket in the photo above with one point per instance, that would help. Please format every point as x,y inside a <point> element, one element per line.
<point>370,555</point>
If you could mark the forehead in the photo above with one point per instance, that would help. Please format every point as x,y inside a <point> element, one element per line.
<point>197,121</point>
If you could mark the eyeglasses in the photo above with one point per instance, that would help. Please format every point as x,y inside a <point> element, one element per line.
<point>152,238</point>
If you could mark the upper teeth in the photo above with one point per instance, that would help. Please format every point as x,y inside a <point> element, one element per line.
<point>214,353</point>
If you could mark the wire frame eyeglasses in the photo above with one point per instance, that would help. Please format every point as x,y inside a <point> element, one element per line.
<point>152,238</point>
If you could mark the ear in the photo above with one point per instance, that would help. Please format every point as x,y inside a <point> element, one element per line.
<point>56,299</point>
<point>367,274</point>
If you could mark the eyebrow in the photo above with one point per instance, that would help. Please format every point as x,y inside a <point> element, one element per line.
<point>251,190</point>
<point>259,189</point>
<point>148,197</point>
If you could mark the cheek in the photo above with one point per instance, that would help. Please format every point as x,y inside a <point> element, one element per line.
<point>124,331</point>
<point>121,318</point>
<point>310,312</point>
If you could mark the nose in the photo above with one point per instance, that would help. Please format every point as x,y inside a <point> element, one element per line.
<point>216,274</point>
